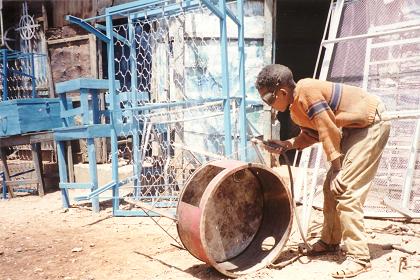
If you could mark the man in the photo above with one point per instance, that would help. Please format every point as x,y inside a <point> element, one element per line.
<point>347,121</point>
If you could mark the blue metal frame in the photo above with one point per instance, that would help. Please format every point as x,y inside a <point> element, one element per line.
<point>7,55</point>
<point>138,10</point>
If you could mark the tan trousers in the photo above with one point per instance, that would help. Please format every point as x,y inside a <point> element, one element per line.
<point>343,216</point>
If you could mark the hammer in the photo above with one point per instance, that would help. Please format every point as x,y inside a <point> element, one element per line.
<point>397,247</point>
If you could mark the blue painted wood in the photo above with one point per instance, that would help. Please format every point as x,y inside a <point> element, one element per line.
<point>75,185</point>
<point>88,27</point>
<point>77,84</point>
<point>29,115</point>
<point>93,172</point>
<point>96,192</point>
<point>82,132</point>
<point>62,171</point>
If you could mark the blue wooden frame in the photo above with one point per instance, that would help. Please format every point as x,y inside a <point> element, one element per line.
<point>138,10</point>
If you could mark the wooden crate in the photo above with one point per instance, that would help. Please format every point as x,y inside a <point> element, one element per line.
<point>29,115</point>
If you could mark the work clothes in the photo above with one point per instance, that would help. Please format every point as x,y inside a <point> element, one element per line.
<point>343,215</point>
<point>347,121</point>
<point>325,107</point>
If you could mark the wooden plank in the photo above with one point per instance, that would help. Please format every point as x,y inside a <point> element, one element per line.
<point>67,40</point>
<point>21,182</point>
<point>51,85</point>
<point>82,132</point>
<point>36,158</point>
<point>75,186</point>
<point>77,84</point>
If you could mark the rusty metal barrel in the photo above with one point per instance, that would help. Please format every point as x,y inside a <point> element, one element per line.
<point>235,216</point>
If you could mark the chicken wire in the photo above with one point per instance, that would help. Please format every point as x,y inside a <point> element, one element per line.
<point>172,110</point>
<point>388,66</point>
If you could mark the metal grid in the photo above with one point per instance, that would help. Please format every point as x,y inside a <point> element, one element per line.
<point>376,46</point>
<point>173,108</point>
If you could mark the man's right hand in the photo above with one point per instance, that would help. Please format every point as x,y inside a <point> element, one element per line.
<point>276,146</point>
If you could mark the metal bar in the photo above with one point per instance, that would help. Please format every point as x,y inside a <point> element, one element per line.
<point>218,11</point>
<point>232,15</point>
<point>399,115</point>
<point>132,5</point>
<point>396,43</point>
<point>96,192</point>
<point>138,162</point>
<point>113,119</point>
<point>33,75</point>
<point>225,78</point>
<point>336,11</point>
<point>21,73</point>
<point>408,179</point>
<point>371,35</point>
<point>114,34</point>
<point>242,87</point>
<point>89,28</point>
<point>151,106</point>
<point>166,10</point>
<point>323,36</point>
<point>145,206</point>
<point>4,54</point>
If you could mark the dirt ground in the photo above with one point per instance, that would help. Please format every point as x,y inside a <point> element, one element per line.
<point>40,240</point>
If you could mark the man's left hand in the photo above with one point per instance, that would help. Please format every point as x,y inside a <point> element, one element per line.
<point>335,186</point>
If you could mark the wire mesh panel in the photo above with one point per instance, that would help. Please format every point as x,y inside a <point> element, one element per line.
<point>377,47</point>
<point>173,114</point>
<point>18,78</point>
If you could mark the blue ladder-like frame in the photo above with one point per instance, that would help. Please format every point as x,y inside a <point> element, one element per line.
<point>90,129</point>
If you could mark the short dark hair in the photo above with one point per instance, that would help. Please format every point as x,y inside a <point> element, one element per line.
<point>273,75</point>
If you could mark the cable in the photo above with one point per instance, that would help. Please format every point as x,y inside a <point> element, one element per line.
<point>286,159</point>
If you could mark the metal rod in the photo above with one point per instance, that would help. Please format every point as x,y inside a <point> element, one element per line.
<point>365,36</point>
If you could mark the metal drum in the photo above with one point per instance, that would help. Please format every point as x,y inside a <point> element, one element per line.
<point>235,216</point>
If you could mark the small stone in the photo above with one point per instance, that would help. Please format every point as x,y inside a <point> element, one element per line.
<point>65,210</point>
<point>389,258</point>
<point>18,250</point>
<point>91,245</point>
<point>77,249</point>
<point>38,269</point>
<point>1,253</point>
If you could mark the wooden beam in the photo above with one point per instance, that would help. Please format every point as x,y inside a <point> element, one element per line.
<point>51,91</point>
<point>37,159</point>
<point>67,40</point>
<point>6,170</point>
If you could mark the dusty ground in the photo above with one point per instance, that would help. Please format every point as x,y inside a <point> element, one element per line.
<point>39,240</point>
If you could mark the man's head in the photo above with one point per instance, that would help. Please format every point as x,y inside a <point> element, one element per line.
<point>275,84</point>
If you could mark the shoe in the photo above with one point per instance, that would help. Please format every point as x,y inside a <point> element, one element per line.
<point>350,268</point>
<point>320,248</point>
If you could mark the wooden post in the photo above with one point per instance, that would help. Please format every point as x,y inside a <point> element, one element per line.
<point>6,169</point>
<point>51,92</point>
<point>37,160</point>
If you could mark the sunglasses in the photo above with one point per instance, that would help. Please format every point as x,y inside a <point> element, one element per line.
<point>269,98</point>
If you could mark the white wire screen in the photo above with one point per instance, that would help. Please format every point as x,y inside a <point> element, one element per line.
<point>387,66</point>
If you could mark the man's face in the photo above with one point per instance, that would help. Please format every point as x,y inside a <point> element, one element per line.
<point>277,98</point>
